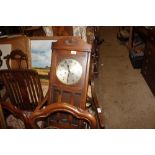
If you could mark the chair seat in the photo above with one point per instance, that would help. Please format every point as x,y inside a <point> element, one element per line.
<point>13,122</point>
<point>16,123</point>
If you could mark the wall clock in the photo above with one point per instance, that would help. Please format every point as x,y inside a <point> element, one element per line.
<point>69,73</point>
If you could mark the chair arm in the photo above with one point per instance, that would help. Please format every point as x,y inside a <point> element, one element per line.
<point>4,97</point>
<point>16,112</point>
<point>42,103</point>
<point>62,107</point>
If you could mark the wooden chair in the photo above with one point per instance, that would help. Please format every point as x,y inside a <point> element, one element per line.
<point>24,90</point>
<point>17,59</point>
<point>77,113</point>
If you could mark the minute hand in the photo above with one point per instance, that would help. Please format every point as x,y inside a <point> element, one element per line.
<point>68,72</point>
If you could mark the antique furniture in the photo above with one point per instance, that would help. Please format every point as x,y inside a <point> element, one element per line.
<point>24,90</point>
<point>70,74</point>
<point>17,59</point>
<point>148,69</point>
<point>69,78</point>
<point>76,113</point>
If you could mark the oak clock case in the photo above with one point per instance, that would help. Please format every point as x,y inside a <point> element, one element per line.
<point>70,72</point>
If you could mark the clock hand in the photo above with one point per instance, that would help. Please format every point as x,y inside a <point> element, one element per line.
<point>68,72</point>
<point>68,68</point>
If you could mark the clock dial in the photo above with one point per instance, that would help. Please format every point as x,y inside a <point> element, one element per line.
<point>69,71</point>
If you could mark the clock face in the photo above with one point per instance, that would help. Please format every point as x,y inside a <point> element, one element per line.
<point>69,71</point>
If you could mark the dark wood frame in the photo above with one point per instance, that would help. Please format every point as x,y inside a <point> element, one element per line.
<point>62,107</point>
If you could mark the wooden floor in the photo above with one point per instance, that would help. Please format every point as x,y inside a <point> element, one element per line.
<point>122,91</point>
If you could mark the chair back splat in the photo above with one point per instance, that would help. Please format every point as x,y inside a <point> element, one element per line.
<point>23,88</point>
